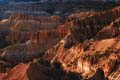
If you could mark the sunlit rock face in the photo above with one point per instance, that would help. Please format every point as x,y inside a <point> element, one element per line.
<point>86,58</point>
<point>87,62</point>
<point>82,46</point>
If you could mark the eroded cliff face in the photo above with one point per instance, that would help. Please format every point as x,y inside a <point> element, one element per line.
<point>83,47</point>
<point>87,59</point>
<point>102,51</point>
<point>36,45</point>
<point>31,71</point>
<point>110,31</point>
<point>20,27</point>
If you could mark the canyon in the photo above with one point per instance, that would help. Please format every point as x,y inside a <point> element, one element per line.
<point>82,45</point>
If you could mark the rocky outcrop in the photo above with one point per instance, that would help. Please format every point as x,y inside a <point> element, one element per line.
<point>26,26</point>
<point>99,75</point>
<point>88,27</point>
<point>41,35</point>
<point>87,61</point>
<point>31,71</point>
<point>33,48</point>
<point>111,31</point>
<point>23,20</point>
<point>19,27</point>
<point>99,52</point>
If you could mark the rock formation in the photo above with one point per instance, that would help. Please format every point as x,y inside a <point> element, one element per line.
<point>31,71</point>
<point>76,47</point>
